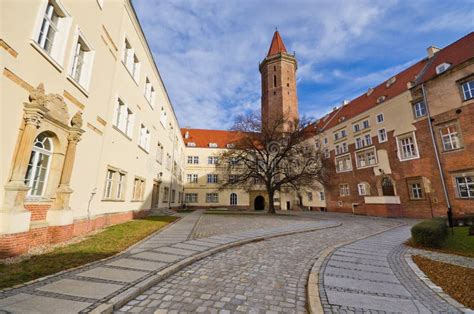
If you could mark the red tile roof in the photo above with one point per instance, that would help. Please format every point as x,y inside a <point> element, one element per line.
<point>202,137</point>
<point>454,54</point>
<point>277,45</point>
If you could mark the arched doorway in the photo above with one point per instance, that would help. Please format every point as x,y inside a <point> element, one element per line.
<point>387,187</point>
<point>233,199</point>
<point>259,203</point>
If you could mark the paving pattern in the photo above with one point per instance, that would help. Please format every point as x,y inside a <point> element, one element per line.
<point>215,224</point>
<point>267,276</point>
<point>462,261</point>
<point>372,275</point>
<point>103,282</point>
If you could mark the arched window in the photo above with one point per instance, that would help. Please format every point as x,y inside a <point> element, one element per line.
<point>38,167</point>
<point>387,187</point>
<point>233,199</point>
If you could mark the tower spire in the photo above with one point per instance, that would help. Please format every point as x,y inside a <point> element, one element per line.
<point>277,45</point>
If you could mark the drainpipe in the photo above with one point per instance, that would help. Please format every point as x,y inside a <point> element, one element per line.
<point>438,161</point>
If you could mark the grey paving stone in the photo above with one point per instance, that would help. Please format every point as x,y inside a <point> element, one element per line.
<point>80,288</point>
<point>330,270</point>
<point>366,285</point>
<point>27,303</point>
<point>113,274</point>
<point>175,251</point>
<point>369,302</point>
<point>160,257</point>
<point>137,264</point>
<point>347,265</point>
<point>196,248</point>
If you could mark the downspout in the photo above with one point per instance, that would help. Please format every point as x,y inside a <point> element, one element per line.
<point>438,161</point>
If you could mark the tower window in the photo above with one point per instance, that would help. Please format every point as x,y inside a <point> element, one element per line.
<point>274,80</point>
<point>287,84</point>
<point>274,68</point>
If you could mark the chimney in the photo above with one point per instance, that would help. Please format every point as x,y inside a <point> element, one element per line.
<point>431,50</point>
<point>186,135</point>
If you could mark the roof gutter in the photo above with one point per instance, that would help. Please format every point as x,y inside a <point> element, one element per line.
<point>438,160</point>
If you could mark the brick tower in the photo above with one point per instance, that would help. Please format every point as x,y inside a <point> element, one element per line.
<point>278,72</point>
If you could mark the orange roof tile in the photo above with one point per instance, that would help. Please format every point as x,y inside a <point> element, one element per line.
<point>277,45</point>
<point>202,137</point>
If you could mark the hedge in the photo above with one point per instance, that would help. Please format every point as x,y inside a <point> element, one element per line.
<point>430,233</point>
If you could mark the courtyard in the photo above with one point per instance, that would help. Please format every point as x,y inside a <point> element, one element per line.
<point>295,262</point>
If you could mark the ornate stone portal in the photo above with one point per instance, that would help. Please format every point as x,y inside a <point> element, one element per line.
<point>44,113</point>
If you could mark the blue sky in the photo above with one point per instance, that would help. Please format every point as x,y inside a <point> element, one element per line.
<point>208,51</point>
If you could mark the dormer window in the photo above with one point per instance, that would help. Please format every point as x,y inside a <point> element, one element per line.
<point>369,91</point>
<point>186,135</point>
<point>442,67</point>
<point>390,81</point>
<point>230,145</point>
<point>381,99</point>
<point>191,144</point>
<point>212,145</point>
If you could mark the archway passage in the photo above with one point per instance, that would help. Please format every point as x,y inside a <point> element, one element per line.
<point>259,203</point>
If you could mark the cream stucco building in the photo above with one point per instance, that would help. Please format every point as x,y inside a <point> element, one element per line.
<point>88,134</point>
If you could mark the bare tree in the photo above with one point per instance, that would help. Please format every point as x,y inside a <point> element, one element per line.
<point>281,157</point>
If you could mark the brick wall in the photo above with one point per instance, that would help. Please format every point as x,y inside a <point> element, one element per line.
<point>38,211</point>
<point>19,243</point>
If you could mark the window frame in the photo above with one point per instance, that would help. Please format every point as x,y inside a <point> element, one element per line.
<point>344,158</point>
<point>463,176</point>
<point>416,108</point>
<point>420,189</point>
<point>377,118</point>
<point>366,159</point>
<point>399,146</point>
<point>385,134</point>
<point>468,82</point>
<point>86,70</point>
<point>344,187</point>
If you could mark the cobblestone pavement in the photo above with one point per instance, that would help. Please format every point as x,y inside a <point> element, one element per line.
<point>104,282</point>
<point>372,275</point>
<point>463,261</point>
<point>209,224</point>
<point>267,276</point>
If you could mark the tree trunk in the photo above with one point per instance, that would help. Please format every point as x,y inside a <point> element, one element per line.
<point>271,204</point>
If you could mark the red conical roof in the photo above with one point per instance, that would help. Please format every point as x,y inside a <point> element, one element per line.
<point>277,45</point>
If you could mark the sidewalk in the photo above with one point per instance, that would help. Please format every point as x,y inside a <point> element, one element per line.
<point>372,275</point>
<point>106,282</point>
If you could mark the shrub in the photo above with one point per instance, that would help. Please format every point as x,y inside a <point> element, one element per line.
<point>430,233</point>
<point>471,230</point>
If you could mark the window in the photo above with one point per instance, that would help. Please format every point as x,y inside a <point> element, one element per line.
<point>233,178</point>
<point>163,118</point>
<point>212,160</point>
<point>365,124</point>
<point>159,153</point>
<point>382,135</point>
<point>53,30</point>
<point>419,109</point>
<point>322,197</point>
<point>39,165</point>
<point>415,188</point>
<point>81,62</point>
<point>192,178</point>
<point>366,140</point>
<point>213,145</point>
<point>191,144</point>
<point>366,158</point>
<point>173,196</point>
<point>138,189</point>
<point>310,196</point>
<point>212,198</point>
<point>212,178</point>
<point>344,189</point>
<point>343,133</point>
<point>327,154</point>
<point>325,140</point>
<point>233,199</point>
<point>465,186</point>
<point>356,127</point>
<point>166,194</point>
<point>149,92</point>
<point>440,68</point>
<point>168,162</point>
<point>317,144</point>
<point>130,60</point>
<point>115,184</point>
<point>343,163</point>
<point>468,90</point>
<point>379,118</point>
<point>124,118</point>
<point>144,139</point>
<point>363,188</point>
<point>407,148</point>
<point>450,138</point>
<point>190,198</point>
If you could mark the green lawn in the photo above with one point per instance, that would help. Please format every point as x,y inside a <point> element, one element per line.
<point>111,241</point>
<point>459,243</point>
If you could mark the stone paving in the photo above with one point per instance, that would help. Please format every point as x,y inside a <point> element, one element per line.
<point>215,224</point>
<point>98,283</point>
<point>267,276</point>
<point>463,261</point>
<point>372,275</point>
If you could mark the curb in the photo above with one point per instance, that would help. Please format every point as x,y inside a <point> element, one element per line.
<point>123,298</point>
<point>431,285</point>
<point>62,272</point>
<point>312,288</point>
